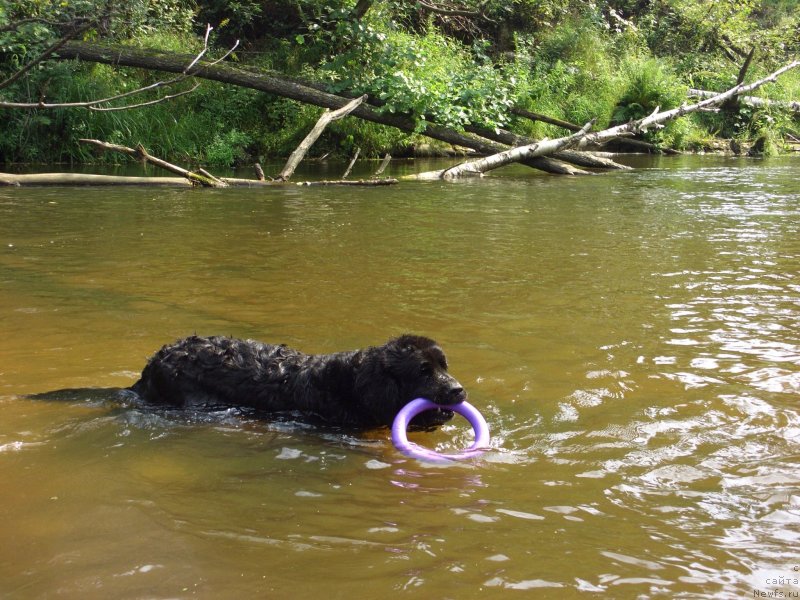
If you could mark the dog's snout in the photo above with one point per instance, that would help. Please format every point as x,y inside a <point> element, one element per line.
<point>455,394</point>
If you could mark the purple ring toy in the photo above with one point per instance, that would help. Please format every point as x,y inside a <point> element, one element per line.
<point>413,408</point>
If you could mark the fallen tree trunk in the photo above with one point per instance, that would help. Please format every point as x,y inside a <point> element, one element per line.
<point>279,85</point>
<point>501,159</point>
<point>751,100</point>
<point>657,117</point>
<point>625,144</point>
<point>581,159</point>
<point>88,179</point>
<point>327,117</point>
<point>274,84</point>
<point>481,166</point>
<point>47,179</point>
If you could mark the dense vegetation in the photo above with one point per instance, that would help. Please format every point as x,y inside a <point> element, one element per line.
<point>454,62</point>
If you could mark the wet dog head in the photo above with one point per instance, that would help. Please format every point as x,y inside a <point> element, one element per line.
<point>412,367</point>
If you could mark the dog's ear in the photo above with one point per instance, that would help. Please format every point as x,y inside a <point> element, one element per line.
<point>377,392</point>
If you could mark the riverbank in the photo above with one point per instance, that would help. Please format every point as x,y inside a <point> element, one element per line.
<point>487,70</point>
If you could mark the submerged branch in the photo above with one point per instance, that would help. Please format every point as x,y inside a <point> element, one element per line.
<point>141,154</point>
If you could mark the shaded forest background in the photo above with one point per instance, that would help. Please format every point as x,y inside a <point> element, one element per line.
<point>455,63</point>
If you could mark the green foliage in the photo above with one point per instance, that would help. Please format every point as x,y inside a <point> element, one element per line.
<point>429,77</point>
<point>573,75</point>
<point>227,148</point>
<point>580,72</point>
<point>648,84</point>
<point>613,60</point>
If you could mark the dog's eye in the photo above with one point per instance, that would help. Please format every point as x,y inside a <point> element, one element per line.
<point>426,369</point>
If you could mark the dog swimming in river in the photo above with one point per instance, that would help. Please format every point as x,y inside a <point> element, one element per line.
<point>363,388</point>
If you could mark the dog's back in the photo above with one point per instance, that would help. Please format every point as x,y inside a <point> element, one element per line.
<point>214,370</point>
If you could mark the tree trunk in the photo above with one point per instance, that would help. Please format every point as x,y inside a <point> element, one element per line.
<point>43,179</point>
<point>314,134</point>
<point>752,101</point>
<point>279,85</point>
<point>501,159</point>
<point>581,159</point>
<point>479,167</point>
<point>88,179</point>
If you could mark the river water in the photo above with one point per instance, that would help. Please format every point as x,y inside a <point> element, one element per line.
<point>633,340</point>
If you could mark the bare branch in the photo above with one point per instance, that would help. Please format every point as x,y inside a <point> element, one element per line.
<point>148,103</point>
<point>745,66</point>
<point>352,162</point>
<point>203,51</point>
<point>449,12</point>
<point>313,135</point>
<point>141,154</point>
<point>93,104</point>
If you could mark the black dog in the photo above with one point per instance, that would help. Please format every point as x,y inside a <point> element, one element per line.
<point>363,388</point>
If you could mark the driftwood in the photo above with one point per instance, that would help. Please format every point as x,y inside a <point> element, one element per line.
<point>353,182</point>
<point>48,179</point>
<point>88,179</point>
<point>384,164</point>
<point>301,150</point>
<point>141,154</point>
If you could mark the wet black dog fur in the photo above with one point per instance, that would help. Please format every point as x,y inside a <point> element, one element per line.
<point>361,388</point>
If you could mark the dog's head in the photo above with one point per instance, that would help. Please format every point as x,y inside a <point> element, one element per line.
<point>406,368</point>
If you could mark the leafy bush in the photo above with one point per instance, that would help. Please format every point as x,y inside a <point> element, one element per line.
<point>429,77</point>
<point>648,84</point>
<point>228,148</point>
<point>572,75</point>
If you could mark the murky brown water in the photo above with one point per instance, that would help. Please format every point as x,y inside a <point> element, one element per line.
<point>633,340</point>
